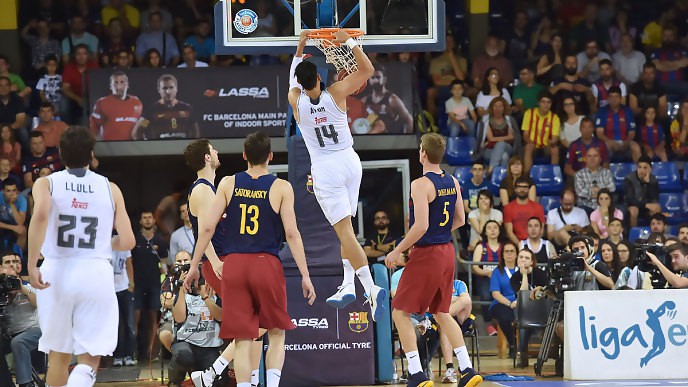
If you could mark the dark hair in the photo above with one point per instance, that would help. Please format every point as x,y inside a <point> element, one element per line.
<point>76,146</point>
<point>195,152</point>
<point>257,148</point>
<point>483,232</point>
<point>535,218</point>
<point>631,254</point>
<point>183,203</point>
<point>487,194</point>
<point>644,159</point>
<point>478,162</point>
<point>586,120</point>
<point>533,258</point>
<point>486,84</point>
<point>660,217</point>
<point>681,247</point>
<point>13,139</point>
<point>36,133</point>
<point>154,13</point>
<point>656,237</point>
<point>614,266</point>
<point>9,181</point>
<point>457,82</point>
<point>614,90</point>
<point>550,50</point>
<point>4,78</point>
<point>613,219</point>
<point>8,253</point>
<point>379,67</point>
<point>80,45</point>
<point>612,207</point>
<point>544,94</point>
<point>529,67</point>
<point>605,62</point>
<point>51,57</point>
<point>147,56</point>
<point>307,75</point>
<point>649,65</point>
<point>4,57</point>
<point>682,225</point>
<point>46,104</point>
<point>189,46</point>
<point>502,264</point>
<point>509,180</point>
<point>522,179</point>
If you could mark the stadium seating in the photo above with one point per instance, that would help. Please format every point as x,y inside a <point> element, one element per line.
<point>548,179</point>
<point>676,204</point>
<point>668,176</point>
<point>498,174</point>
<point>460,150</point>
<point>619,172</point>
<point>550,202</point>
<point>638,232</point>
<point>463,174</point>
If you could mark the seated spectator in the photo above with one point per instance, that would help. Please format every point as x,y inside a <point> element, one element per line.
<point>610,257</point>
<point>641,192</point>
<point>616,126</point>
<point>51,128</point>
<point>570,130</point>
<point>17,84</point>
<point>498,135</point>
<point>527,91</point>
<point>518,41</point>
<point>460,112</point>
<point>572,82</point>
<point>12,109</point>
<point>589,30</point>
<point>683,233</point>
<point>78,37</point>
<point>489,250</point>
<point>6,172</point>
<point>619,31</point>
<point>36,33</point>
<point>114,42</point>
<point>567,220</point>
<point>614,231</point>
<point>13,209</point>
<point>604,213</point>
<point>519,211</point>
<point>154,38</point>
<point>492,58</point>
<point>628,63</point>
<point>591,179</point>
<point>679,263</point>
<point>589,59</point>
<point>479,217</point>
<point>648,92</point>
<point>11,148</point>
<point>658,224</point>
<point>600,88</point>
<point>124,289</point>
<point>444,69</point>
<point>50,84</point>
<point>507,188</point>
<point>41,157</point>
<point>545,40</point>
<point>679,131</point>
<point>550,66</point>
<point>203,42</point>
<point>542,248</point>
<point>156,6</point>
<point>189,58</point>
<point>127,14</point>
<point>470,190</point>
<point>75,84</point>
<point>526,278</point>
<point>651,135</point>
<point>652,36</point>
<point>151,59</point>
<point>124,60</point>
<point>503,295</point>
<point>491,89</point>
<point>377,246</point>
<point>625,251</point>
<point>541,131</point>
<point>671,61</point>
<point>579,149</point>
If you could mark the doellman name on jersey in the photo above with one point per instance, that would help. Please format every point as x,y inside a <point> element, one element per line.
<point>446,191</point>
<point>251,194</point>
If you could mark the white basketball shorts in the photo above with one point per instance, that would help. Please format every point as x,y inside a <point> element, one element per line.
<point>78,312</point>
<point>336,182</point>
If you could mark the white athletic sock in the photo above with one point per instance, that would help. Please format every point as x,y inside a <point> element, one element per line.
<point>81,376</point>
<point>219,365</point>
<point>413,362</point>
<point>243,384</point>
<point>349,272</point>
<point>255,378</point>
<point>274,376</point>
<point>464,359</point>
<point>363,274</point>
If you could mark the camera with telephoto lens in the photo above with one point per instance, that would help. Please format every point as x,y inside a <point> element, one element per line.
<point>642,260</point>
<point>8,284</point>
<point>175,274</point>
<point>561,271</point>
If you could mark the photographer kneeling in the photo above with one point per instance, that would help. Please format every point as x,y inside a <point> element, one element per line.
<point>20,323</point>
<point>679,262</point>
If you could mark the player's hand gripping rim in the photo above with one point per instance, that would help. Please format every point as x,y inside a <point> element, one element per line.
<point>36,279</point>
<point>192,278</point>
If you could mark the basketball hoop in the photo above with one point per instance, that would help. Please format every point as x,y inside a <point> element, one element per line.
<point>337,54</point>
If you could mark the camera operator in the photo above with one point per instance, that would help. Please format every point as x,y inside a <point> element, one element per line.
<point>197,344</point>
<point>167,298</point>
<point>21,325</point>
<point>641,273</point>
<point>679,262</point>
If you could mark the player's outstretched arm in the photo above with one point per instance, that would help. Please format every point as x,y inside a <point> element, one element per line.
<point>124,240</point>
<point>421,191</point>
<point>37,228</point>
<point>349,85</point>
<point>200,200</point>
<point>459,217</point>
<point>293,236</point>
<point>294,86</point>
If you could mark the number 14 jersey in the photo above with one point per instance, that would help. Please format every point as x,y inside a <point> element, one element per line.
<point>323,125</point>
<point>81,216</point>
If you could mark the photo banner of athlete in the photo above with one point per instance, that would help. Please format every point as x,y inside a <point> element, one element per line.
<point>159,104</point>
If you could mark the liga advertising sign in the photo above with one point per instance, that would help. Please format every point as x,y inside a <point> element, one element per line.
<point>639,334</point>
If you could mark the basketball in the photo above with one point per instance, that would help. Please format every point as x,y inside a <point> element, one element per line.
<point>343,74</point>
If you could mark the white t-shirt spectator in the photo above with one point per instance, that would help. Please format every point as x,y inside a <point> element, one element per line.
<point>461,108</point>
<point>475,214</point>
<point>629,67</point>
<point>576,216</point>
<point>198,64</point>
<point>119,265</point>
<point>483,100</point>
<point>571,132</point>
<point>51,85</point>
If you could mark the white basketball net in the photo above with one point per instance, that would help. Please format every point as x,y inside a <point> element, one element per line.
<point>339,55</point>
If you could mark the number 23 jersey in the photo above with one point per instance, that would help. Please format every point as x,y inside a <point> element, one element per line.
<point>81,216</point>
<point>323,125</point>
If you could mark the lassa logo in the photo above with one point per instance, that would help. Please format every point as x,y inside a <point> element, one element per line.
<point>255,92</point>
<point>311,322</point>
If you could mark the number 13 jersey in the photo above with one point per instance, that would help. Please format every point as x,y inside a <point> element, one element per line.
<point>323,125</point>
<point>81,216</point>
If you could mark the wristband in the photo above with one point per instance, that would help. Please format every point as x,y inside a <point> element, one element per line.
<point>351,43</point>
<point>202,298</point>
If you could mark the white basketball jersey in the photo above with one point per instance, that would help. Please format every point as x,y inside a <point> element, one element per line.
<point>324,127</point>
<point>81,217</point>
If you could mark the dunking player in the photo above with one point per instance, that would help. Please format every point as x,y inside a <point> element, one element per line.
<point>115,115</point>
<point>336,168</point>
<point>427,282</point>
<point>258,206</point>
<point>202,157</point>
<point>71,227</point>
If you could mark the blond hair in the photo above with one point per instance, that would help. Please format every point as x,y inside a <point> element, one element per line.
<point>433,145</point>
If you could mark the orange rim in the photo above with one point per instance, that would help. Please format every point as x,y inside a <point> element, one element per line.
<point>328,33</point>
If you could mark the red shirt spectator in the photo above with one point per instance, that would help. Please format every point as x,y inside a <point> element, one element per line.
<point>74,75</point>
<point>519,211</point>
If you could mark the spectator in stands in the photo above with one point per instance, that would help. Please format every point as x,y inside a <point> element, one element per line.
<point>127,14</point>
<point>11,148</point>
<point>620,30</point>
<point>114,43</point>
<point>167,211</point>
<point>671,61</point>
<point>519,211</point>
<point>48,10</point>
<point>471,189</point>
<point>503,295</point>
<point>182,239</point>
<point>600,88</point>
<point>17,84</point>
<point>13,209</point>
<point>527,91</point>
<point>149,258</point>
<point>641,192</point>
<point>51,128</point>
<point>679,131</point>
<point>498,139</point>
<point>551,65</point>
<point>156,6</point>
<point>460,112</point>
<point>545,38</point>
<point>605,213</point>
<point>616,126</point>
<point>482,215</point>
<point>591,179</point>
<point>610,257</point>
<point>491,89</point>
<point>124,289</point>
<point>543,249</point>
<point>570,130</point>
<point>652,36</point>
<point>679,264</point>
<point>12,110</point>
<point>518,41</point>
<point>151,59</point>
<point>587,31</point>
<point>189,58</point>
<point>383,241</point>
<point>75,84</point>
<point>203,42</point>
<point>683,233</point>
<point>628,63</point>
<point>541,131</point>
<point>124,59</point>
<point>526,278</point>
<point>41,157</point>
<point>444,69</point>
<point>648,92</point>
<point>625,250</point>
<point>490,251</point>
<point>571,82</point>
<point>507,188</point>
<point>50,84</point>
<point>589,60</point>
<point>492,58</point>
<point>36,33</point>
<point>615,231</point>
<point>658,224</point>
<point>156,38</point>
<point>7,173</point>
<point>651,135</point>
<point>567,220</point>
<point>21,324</point>
<point>77,37</point>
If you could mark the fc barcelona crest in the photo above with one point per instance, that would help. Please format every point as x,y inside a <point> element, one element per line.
<point>309,184</point>
<point>358,321</point>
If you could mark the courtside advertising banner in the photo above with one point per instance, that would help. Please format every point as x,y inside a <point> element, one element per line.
<point>639,334</point>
